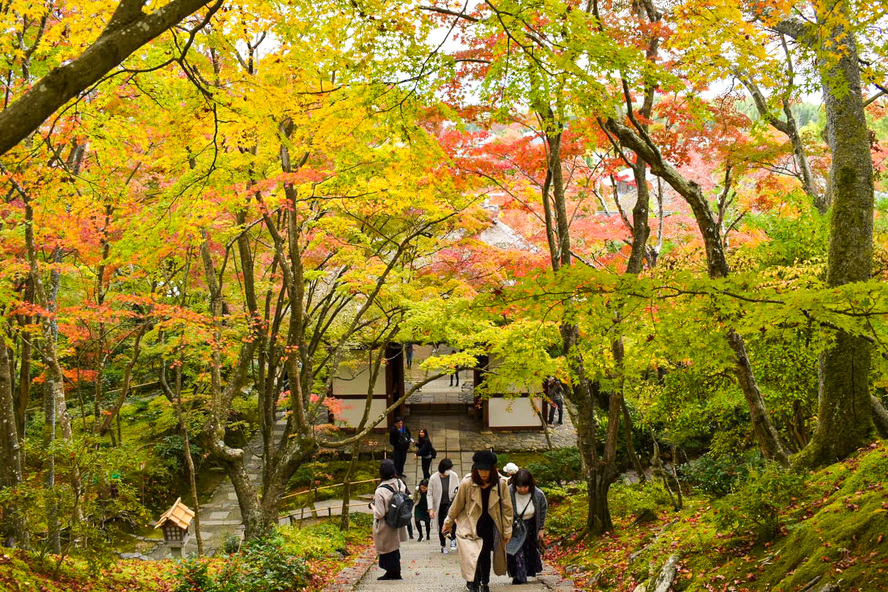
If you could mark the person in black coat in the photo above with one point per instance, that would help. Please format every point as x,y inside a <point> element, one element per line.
<point>400,439</point>
<point>425,452</point>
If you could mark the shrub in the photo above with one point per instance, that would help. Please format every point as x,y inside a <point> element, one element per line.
<point>89,503</point>
<point>756,507</point>
<point>263,565</point>
<point>637,499</point>
<point>193,576</point>
<point>559,466</point>
<point>557,493</point>
<point>717,476</point>
<point>231,545</point>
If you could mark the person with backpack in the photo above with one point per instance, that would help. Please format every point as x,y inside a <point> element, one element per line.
<point>531,507</point>
<point>400,439</point>
<point>483,512</point>
<point>425,452</point>
<point>443,486</point>
<point>390,502</point>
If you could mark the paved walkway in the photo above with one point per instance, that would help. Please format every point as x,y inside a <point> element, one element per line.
<point>424,568</point>
<point>220,518</point>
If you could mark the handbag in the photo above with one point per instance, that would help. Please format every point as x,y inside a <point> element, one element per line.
<point>519,532</point>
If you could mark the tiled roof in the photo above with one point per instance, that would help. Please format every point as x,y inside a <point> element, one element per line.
<point>180,514</point>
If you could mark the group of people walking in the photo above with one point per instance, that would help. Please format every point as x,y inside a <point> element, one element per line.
<point>476,515</point>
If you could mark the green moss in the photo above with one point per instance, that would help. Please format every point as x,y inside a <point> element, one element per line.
<point>21,572</point>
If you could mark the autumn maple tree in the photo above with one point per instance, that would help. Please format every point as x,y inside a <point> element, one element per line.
<point>220,202</point>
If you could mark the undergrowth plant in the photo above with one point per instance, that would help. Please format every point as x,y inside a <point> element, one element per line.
<point>756,507</point>
<point>261,565</point>
<point>559,466</point>
<point>718,475</point>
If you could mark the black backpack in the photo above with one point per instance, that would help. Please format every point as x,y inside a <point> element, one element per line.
<point>400,508</point>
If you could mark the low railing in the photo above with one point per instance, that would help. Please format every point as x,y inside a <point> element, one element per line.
<point>312,510</point>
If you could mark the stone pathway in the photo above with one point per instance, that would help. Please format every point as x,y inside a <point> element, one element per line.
<point>220,518</point>
<point>424,568</point>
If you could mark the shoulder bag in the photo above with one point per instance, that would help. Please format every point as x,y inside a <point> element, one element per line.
<point>519,532</point>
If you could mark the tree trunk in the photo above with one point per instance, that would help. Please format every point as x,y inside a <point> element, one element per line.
<point>189,462</point>
<point>844,414</point>
<point>630,445</point>
<point>791,130</point>
<point>765,433</point>
<point>346,487</point>
<point>24,381</point>
<point>599,474</point>
<point>127,379</point>
<point>880,417</point>
<point>12,519</point>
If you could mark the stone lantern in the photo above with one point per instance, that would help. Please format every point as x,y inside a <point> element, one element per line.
<point>175,523</point>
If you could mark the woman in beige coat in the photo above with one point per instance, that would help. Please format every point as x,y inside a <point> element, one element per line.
<point>482,512</point>
<point>387,539</point>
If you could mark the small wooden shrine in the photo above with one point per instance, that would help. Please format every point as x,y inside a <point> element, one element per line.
<point>175,523</point>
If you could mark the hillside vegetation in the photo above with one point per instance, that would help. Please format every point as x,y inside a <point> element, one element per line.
<point>293,559</point>
<point>777,531</point>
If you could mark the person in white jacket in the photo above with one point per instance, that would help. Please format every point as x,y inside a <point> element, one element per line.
<point>443,486</point>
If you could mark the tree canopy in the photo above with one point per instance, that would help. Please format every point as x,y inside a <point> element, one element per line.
<point>223,199</point>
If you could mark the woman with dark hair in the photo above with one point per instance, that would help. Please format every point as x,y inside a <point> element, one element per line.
<point>482,512</point>
<point>530,506</point>
<point>442,490</point>
<point>421,509</point>
<point>426,452</point>
<point>387,539</point>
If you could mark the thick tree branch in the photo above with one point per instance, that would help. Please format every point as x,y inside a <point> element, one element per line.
<point>128,30</point>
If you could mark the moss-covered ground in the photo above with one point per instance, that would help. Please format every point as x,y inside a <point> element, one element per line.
<point>322,546</point>
<point>834,528</point>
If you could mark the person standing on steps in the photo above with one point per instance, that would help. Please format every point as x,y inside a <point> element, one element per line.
<point>482,511</point>
<point>426,452</point>
<point>443,486</point>
<point>386,539</point>
<point>408,353</point>
<point>530,506</point>
<point>555,391</point>
<point>421,510</point>
<point>400,439</point>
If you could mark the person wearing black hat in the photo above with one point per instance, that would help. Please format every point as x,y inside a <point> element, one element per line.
<point>482,512</point>
<point>387,539</point>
